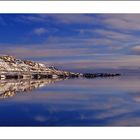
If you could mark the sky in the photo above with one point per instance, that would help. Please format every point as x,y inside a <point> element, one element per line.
<point>81,41</point>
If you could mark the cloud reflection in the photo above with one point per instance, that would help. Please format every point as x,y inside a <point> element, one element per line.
<point>74,102</point>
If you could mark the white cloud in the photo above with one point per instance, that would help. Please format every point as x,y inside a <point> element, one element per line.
<point>40,31</point>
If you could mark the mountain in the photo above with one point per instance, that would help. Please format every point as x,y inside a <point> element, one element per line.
<point>11,67</point>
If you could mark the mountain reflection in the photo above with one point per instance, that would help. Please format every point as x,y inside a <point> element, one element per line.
<point>9,88</point>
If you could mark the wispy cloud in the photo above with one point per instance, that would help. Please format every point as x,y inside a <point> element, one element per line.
<point>135,50</point>
<point>122,21</point>
<point>118,21</point>
<point>120,36</point>
<point>74,37</point>
<point>59,18</point>
<point>42,51</point>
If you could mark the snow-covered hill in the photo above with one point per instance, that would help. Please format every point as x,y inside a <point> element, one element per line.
<point>11,64</point>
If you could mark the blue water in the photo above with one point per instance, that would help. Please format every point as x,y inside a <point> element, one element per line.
<point>76,102</point>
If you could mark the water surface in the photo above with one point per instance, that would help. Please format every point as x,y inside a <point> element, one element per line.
<point>73,102</point>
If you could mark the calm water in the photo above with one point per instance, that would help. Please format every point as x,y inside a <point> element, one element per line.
<point>74,102</point>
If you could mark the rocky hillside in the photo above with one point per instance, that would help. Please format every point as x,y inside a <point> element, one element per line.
<point>11,64</point>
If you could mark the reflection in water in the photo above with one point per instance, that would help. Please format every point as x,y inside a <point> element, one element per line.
<point>73,102</point>
<point>9,88</point>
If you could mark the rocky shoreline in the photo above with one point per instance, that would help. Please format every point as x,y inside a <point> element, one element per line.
<point>12,68</point>
<point>53,76</point>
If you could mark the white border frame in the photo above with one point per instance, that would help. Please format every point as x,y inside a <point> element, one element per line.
<point>69,7</point>
<point>69,133</point>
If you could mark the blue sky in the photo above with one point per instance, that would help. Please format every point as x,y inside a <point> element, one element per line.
<point>77,40</point>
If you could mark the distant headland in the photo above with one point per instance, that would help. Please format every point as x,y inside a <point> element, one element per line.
<point>13,68</point>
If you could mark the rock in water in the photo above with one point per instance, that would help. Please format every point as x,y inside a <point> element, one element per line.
<point>10,67</point>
